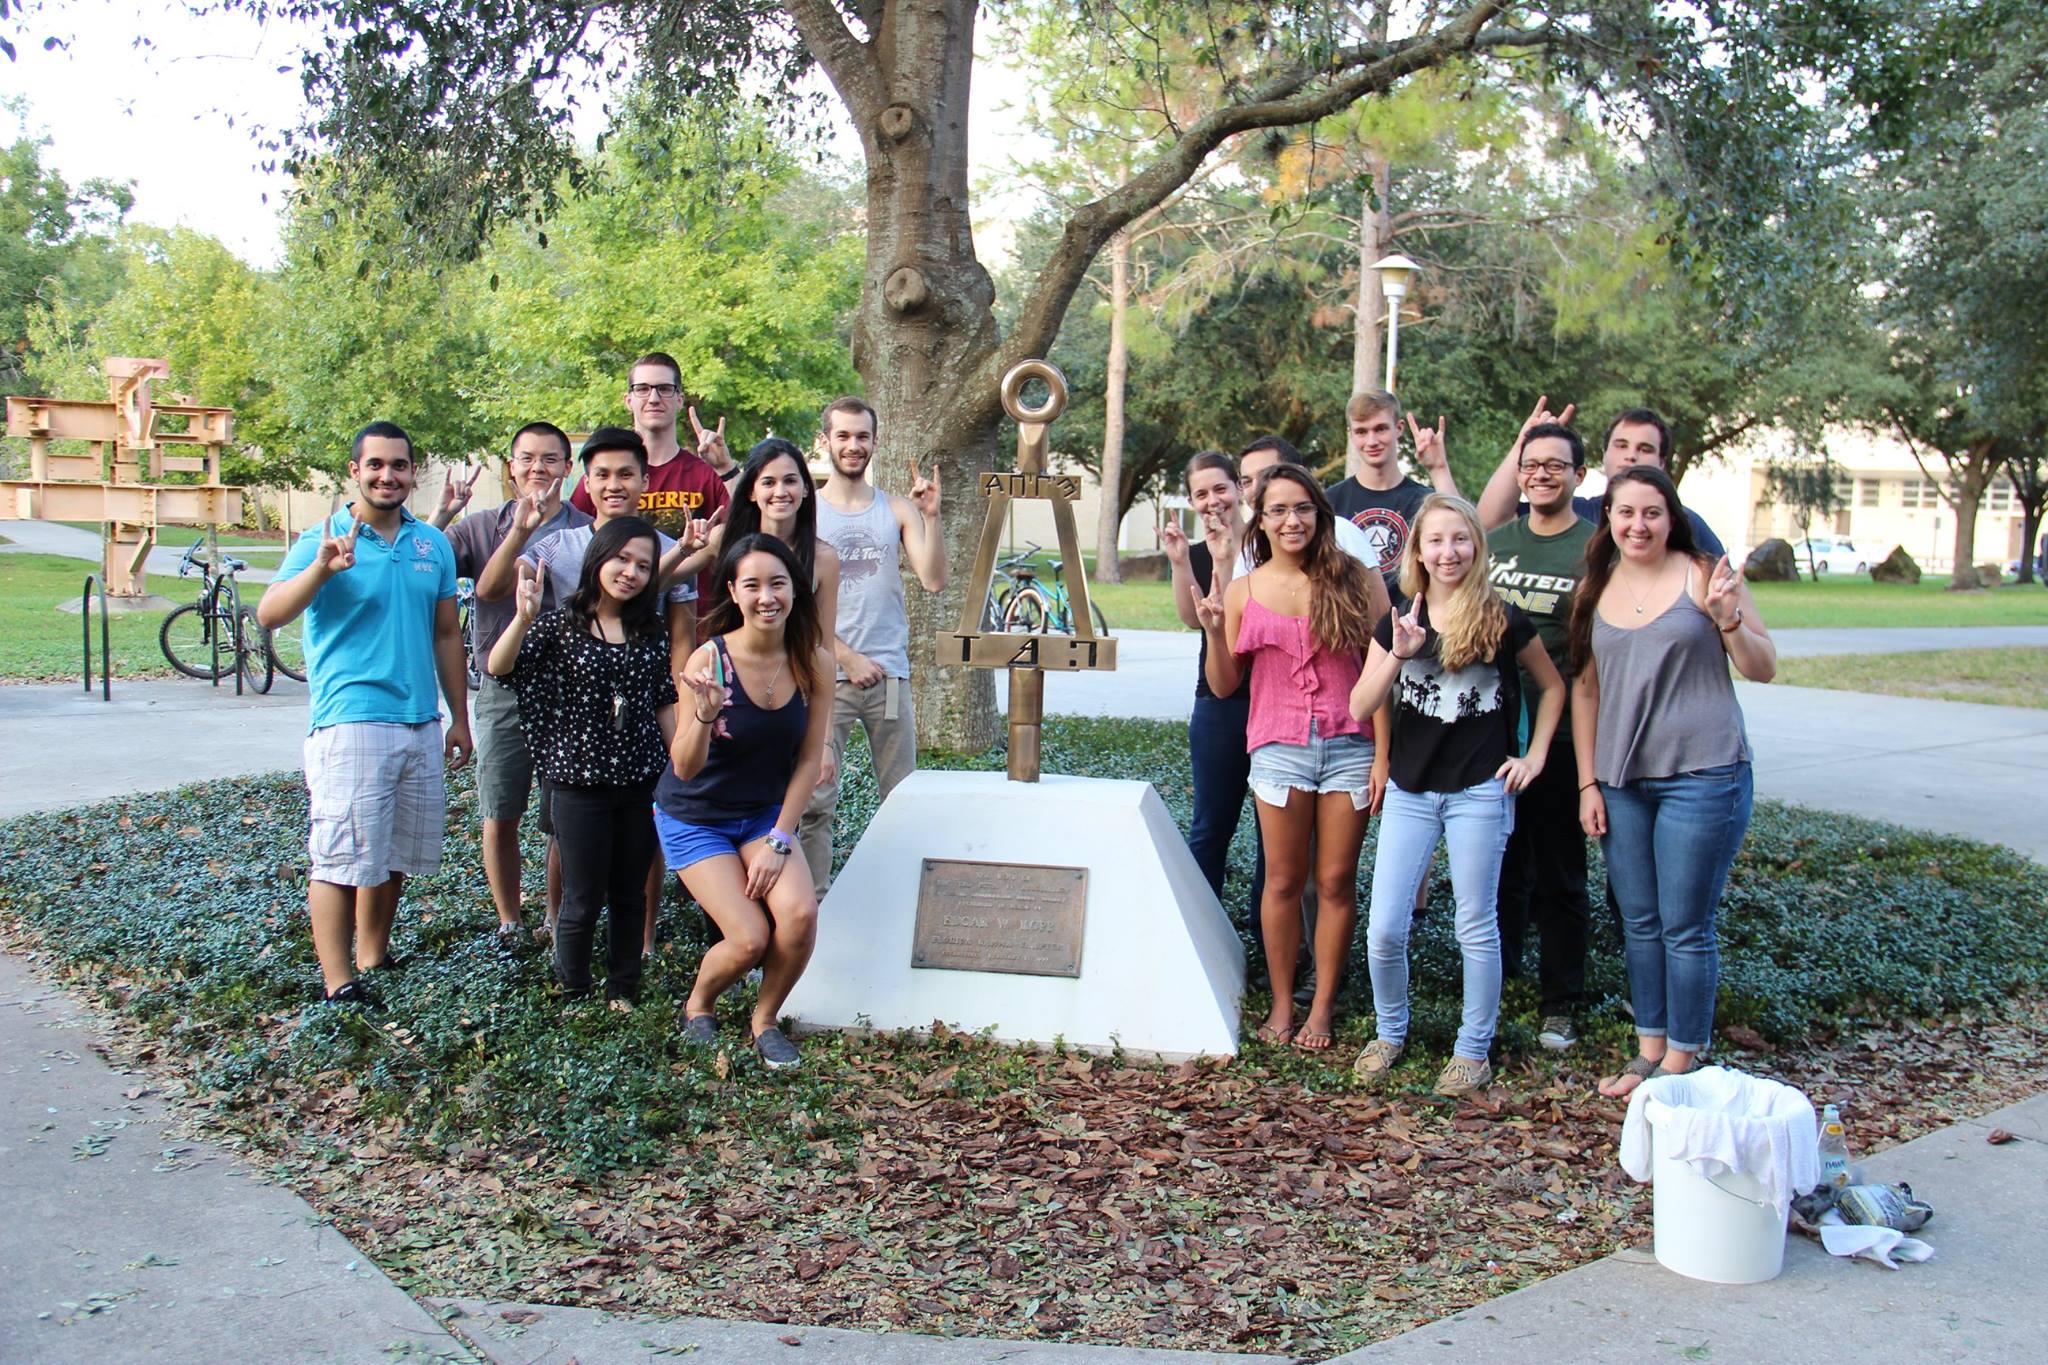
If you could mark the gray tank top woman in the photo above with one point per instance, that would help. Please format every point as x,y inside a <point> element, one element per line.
<point>1667,702</point>
<point>872,619</point>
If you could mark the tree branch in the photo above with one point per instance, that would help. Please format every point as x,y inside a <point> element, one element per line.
<point>1283,100</point>
<point>848,62</point>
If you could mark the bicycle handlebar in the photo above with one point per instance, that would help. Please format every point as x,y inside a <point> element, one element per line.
<point>1030,552</point>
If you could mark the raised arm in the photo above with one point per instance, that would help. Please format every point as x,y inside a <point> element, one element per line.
<point>701,698</point>
<point>1431,453</point>
<point>500,577</point>
<point>287,598</point>
<point>1174,542</point>
<point>1497,500</point>
<point>1726,598</point>
<point>505,653</point>
<point>1382,665</point>
<point>918,518</point>
<point>1222,616</point>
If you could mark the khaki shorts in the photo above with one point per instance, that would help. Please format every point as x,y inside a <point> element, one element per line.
<point>378,801</point>
<point>504,768</point>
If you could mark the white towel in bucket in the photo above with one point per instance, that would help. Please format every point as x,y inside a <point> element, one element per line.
<point>1719,1120</point>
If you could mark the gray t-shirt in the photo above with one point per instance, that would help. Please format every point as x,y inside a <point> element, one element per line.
<point>872,619</point>
<point>475,539</point>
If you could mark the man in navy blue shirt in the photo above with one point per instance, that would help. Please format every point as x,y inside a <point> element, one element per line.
<point>1635,436</point>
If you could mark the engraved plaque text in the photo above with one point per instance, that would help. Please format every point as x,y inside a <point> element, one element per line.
<point>1000,917</point>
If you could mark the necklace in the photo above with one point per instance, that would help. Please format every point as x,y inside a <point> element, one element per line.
<point>1656,577</point>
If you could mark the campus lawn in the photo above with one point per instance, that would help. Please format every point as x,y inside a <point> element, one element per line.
<point>1860,602</point>
<point>178,537</point>
<point>1999,677</point>
<point>40,643</point>
<point>476,1142</point>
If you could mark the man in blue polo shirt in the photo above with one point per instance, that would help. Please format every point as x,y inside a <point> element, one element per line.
<point>377,586</point>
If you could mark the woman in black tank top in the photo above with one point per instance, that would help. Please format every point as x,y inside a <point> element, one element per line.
<point>750,736</point>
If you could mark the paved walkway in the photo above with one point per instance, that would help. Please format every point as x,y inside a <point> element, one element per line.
<point>1977,1300</point>
<point>125,1241</point>
<point>55,538</point>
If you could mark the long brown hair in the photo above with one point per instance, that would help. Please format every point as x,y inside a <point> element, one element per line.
<point>1601,550</point>
<point>1337,613</point>
<point>802,633</point>
<point>1474,622</point>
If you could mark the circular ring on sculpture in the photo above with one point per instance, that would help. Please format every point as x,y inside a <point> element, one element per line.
<point>1023,372</point>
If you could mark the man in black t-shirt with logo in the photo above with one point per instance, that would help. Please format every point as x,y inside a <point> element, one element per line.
<point>1376,494</point>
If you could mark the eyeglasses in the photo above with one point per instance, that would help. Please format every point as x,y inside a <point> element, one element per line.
<point>1554,468</point>
<point>661,390</point>
<point>544,461</point>
<point>1301,511</point>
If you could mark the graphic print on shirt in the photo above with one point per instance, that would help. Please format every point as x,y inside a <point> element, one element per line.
<point>860,555</point>
<point>1539,594</point>
<point>1386,530</point>
<point>1428,690</point>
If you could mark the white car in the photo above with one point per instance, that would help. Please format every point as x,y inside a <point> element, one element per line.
<point>1823,555</point>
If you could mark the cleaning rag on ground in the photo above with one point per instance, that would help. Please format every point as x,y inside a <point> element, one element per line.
<point>1717,1121</point>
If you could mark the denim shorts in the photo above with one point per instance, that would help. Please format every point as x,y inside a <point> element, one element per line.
<point>1342,763</point>
<point>684,845</point>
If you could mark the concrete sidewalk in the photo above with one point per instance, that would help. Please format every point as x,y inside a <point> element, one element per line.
<point>61,746</point>
<point>1976,1300</point>
<point>125,1241</point>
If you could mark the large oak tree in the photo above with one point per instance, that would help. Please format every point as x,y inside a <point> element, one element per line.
<point>465,108</point>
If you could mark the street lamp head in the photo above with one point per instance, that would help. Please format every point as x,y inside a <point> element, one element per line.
<point>1395,272</point>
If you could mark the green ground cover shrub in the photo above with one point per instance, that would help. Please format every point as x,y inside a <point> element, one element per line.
<point>186,911</point>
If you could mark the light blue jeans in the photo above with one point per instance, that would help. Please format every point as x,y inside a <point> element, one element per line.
<point>1475,824</point>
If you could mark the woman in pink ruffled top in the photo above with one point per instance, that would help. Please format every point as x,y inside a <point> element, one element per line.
<point>1301,617</point>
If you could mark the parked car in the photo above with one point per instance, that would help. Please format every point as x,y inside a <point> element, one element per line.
<point>1823,555</point>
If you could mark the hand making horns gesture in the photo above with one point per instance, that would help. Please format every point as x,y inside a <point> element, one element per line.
<point>338,553</point>
<point>1724,593</point>
<point>1173,542</point>
<point>1541,415</point>
<point>532,508</point>
<point>455,492</point>
<point>1409,632</point>
<point>1209,609</point>
<point>529,592</point>
<point>707,437</point>
<point>924,493</point>
<point>1429,445</point>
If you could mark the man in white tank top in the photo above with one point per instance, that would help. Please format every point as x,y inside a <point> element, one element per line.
<point>873,530</point>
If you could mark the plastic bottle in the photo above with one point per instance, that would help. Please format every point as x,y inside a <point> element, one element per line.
<point>1834,1150</point>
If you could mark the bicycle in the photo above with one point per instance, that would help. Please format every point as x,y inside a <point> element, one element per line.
<point>193,637</point>
<point>1028,603</point>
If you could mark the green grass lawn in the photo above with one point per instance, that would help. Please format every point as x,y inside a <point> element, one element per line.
<point>1997,677</point>
<point>40,643</point>
<point>1860,602</point>
<point>178,537</point>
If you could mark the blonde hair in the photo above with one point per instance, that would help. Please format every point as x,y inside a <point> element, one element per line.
<point>1366,402</point>
<point>1472,626</point>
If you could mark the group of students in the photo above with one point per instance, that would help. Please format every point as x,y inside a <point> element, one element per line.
<point>677,652</point>
<point>1505,679</point>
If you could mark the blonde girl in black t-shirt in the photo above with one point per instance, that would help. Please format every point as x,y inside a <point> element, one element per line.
<point>1442,679</point>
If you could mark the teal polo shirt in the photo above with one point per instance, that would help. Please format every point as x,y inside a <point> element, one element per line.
<point>370,628</point>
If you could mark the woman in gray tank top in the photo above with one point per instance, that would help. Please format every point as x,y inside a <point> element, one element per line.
<point>1664,775</point>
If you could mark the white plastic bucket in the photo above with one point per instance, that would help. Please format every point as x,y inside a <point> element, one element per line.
<point>1720,1229</point>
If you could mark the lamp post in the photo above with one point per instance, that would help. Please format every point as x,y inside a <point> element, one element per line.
<point>1395,272</point>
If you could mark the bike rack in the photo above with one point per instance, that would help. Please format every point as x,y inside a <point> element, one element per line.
<point>92,581</point>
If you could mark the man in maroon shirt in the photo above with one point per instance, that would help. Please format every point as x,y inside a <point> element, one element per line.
<point>680,485</point>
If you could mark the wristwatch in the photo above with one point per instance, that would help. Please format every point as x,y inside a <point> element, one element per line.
<point>779,842</point>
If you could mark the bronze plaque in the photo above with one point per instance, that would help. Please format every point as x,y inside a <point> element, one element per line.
<point>1000,917</point>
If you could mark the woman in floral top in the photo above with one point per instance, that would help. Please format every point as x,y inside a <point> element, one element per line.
<point>597,703</point>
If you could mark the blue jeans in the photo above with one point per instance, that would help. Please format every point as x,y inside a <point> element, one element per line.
<point>1474,824</point>
<point>1669,844</point>
<point>1216,753</point>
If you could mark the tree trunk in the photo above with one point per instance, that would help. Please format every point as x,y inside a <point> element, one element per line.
<point>1375,236</point>
<point>1110,510</point>
<point>1972,475</point>
<point>925,331</point>
<point>2030,532</point>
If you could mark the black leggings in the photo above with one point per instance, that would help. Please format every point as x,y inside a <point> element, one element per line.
<point>606,838</point>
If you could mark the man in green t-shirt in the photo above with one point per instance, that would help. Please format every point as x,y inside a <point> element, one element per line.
<point>1536,562</point>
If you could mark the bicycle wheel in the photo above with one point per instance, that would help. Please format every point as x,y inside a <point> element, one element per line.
<point>1027,611</point>
<point>1095,615</point>
<point>288,649</point>
<point>992,608</point>
<point>187,641</point>
<point>253,656</point>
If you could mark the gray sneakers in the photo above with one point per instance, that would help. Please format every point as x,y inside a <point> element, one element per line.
<point>1559,1033</point>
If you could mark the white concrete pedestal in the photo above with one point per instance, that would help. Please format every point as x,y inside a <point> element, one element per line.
<point>1161,966</point>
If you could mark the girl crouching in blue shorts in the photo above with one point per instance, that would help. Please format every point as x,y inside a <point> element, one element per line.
<point>749,742</point>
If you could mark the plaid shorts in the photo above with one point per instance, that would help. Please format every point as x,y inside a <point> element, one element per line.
<point>378,801</point>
